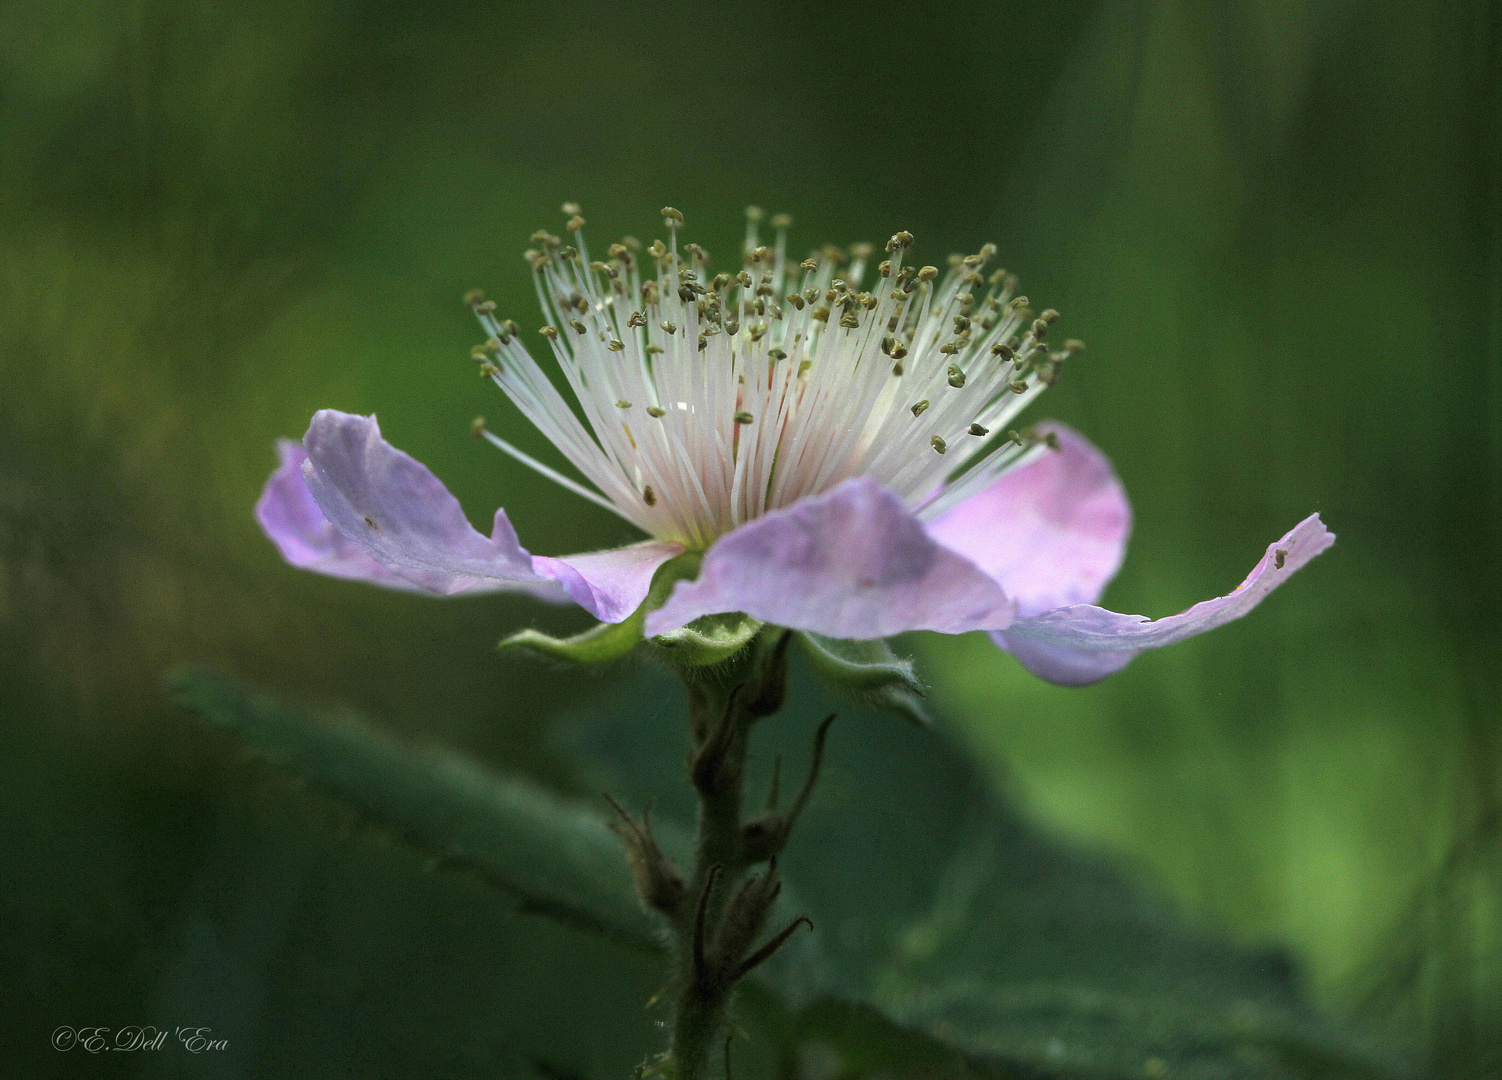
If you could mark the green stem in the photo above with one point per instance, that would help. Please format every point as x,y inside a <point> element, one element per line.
<point>701,1009</point>
<point>698,1027</point>
<point>719,914</point>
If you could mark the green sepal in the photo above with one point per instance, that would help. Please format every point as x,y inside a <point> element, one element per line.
<point>869,671</point>
<point>605,642</point>
<point>597,645</point>
<point>711,639</point>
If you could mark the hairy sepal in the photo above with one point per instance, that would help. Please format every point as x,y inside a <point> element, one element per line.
<point>710,640</point>
<point>868,671</point>
<point>605,642</point>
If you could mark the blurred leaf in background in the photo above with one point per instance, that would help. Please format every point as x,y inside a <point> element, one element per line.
<point>948,936</point>
<point>1275,224</point>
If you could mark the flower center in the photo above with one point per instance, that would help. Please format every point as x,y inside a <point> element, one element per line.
<point>708,400</point>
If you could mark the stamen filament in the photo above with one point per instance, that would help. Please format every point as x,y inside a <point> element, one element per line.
<point>553,475</point>
<point>707,401</point>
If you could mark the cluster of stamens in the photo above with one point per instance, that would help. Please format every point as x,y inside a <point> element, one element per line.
<point>708,400</point>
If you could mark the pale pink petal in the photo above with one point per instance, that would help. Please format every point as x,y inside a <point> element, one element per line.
<point>289,516</point>
<point>609,584</point>
<point>383,517</point>
<point>402,514</point>
<point>851,563</point>
<point>1053,532</point>
<point>1081,644</point>
<point>1065,664</point>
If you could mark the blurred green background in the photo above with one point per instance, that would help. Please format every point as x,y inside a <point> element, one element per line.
<point>1276,225</point>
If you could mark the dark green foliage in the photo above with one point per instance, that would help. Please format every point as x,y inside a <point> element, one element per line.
<point>940,908</point>
<point>548,854</point>
<point>950,935</point>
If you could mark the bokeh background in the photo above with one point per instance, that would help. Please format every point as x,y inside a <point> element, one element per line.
<point>1276,224</point>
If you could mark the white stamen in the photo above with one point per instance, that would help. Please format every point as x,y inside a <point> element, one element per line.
<point>553,475</point>
<point>750,391</point>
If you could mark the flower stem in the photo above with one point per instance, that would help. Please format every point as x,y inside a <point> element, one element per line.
<point>717,918</point>
<point>702,1003</point>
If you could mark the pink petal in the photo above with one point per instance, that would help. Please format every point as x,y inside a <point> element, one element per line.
<point>391,522</point>
<point>851,563</point>
<point>609,584</point>
<point>1077,645</point>
<point>1053,532</point>
<point>289,516</point>
<point>399,511</point>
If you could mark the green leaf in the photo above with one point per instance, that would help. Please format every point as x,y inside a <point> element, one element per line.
<point>954,937</point>
<point>554,857</point>
<point>869,671</point>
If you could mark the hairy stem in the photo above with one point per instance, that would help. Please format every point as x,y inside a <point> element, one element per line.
<point>703,996</point>
<point>717,917</point>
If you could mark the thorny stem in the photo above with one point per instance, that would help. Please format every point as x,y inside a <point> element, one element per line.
<point>718,917</point>
<point>701,1009</point>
